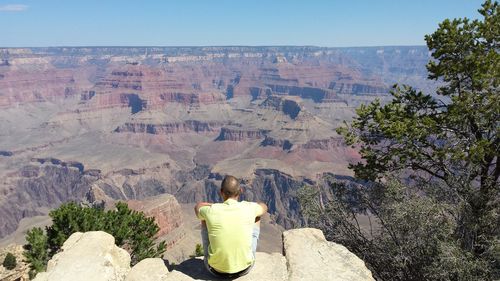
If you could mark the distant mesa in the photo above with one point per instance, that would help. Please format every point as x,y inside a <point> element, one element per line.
<point>187,126</point>
<point>240,134</point>
<point>282,143</point>
<point>287,106</point>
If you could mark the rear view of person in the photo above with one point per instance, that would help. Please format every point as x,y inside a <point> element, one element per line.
<point>230,231</point>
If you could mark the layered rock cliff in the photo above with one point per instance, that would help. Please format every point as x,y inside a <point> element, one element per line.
<point>239,134</point>
<point>127,123</point>
<point>187,126</point>
<point>164,209</point>
<point>39,186</point>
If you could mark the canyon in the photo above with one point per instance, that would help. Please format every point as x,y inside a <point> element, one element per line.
<point>101,124</point>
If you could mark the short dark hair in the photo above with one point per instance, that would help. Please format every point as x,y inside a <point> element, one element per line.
<point>230,186</point>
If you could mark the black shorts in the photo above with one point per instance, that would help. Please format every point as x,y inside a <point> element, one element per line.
<point>229,275</point>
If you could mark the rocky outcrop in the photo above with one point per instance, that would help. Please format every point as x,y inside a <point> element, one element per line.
<point>287,106</point>
<point>316,94</point>
<point>308,256</point>
<point>188,126</point>
<point>48,182</point>
<point>148,270</point>
<point>282,143</point>
<point>324,144</point>
<point>88,256</point>
<point>55,161</point>
<point>278,190</point>
<point>239,134</point>
<point>272,186</point>
<point>163,208</point>
<point>44,184</point>
<point>352,87</point>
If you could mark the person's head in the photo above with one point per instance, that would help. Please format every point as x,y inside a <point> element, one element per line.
<point>230,188</point>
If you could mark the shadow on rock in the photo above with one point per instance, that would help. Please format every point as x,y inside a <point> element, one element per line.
<point>195,268</point>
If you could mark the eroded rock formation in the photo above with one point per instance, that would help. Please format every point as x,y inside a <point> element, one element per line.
<point>39,186</point>
<point>170,128</point>
<point>238,134</point>
<point>127,123</point>
<point>164,208</point>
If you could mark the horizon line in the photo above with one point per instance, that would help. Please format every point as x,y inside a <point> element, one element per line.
<point>206,46</point>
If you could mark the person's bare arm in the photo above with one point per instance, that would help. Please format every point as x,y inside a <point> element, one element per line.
<point>199,205</point>
<point>263,209</point>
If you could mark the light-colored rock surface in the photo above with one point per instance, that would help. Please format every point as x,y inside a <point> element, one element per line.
<point>268,267</point>
<point>148,270</point>
<point>20,272</point>
<point>88,256</point>
<point>310,257</point>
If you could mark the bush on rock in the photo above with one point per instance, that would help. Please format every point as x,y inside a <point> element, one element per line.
<point>131,229</point>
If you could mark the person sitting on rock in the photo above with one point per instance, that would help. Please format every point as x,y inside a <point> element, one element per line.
<point>230,231</point>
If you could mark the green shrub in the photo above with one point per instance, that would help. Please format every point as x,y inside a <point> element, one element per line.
<point>131,229</point>
<point>36,250</point>
<point>406,236</point>
<point>449,140</point>
<point>198,251</point>
<point>10,261</point>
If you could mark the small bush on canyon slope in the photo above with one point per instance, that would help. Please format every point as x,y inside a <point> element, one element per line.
<point>10,261</point>
<point>444,223</point>
<point>131,229</point>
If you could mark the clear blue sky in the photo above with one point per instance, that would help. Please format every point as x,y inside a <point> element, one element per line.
<point>331,23</point>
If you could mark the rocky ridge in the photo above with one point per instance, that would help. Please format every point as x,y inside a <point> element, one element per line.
<point>307,256</point>
<point>167,214</point>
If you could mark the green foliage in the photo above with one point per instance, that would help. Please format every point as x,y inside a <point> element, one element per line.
<point>451,139</point>
<point>131,229</point>
<point>10,261</point>
<point>198,251</point>
<point>400,234</point>
<point>36,250</point>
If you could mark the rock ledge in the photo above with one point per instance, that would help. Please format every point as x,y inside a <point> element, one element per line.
<point>308,256</point>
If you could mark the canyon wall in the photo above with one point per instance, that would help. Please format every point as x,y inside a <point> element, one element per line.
<point>129,123</point>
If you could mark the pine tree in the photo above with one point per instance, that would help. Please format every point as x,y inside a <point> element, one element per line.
<point>451,138</point>
<point>36,250</point>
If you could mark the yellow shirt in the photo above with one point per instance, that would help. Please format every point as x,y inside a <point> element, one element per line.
<point>230,225</point>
